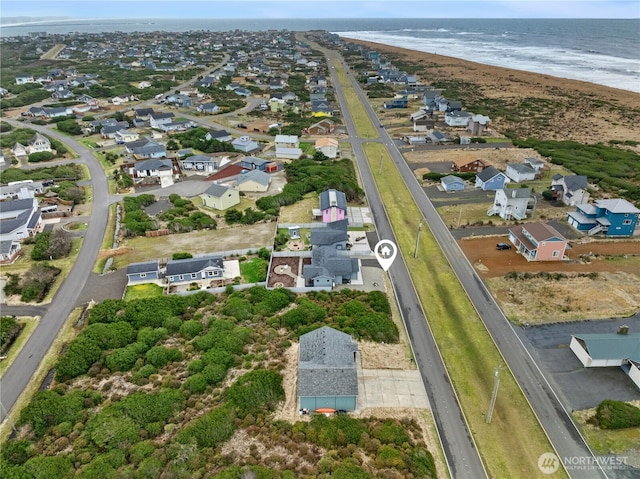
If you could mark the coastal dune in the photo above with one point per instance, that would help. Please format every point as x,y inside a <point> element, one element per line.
<point>528,104</point>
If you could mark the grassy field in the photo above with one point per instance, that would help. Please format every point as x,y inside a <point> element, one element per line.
<point>511,444</point>
<point>134,250</point>
<point>364,127</point>
<point>300,211</point>
<point>142,291</point>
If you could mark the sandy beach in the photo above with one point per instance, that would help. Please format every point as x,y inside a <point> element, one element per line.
<point>529,104</point>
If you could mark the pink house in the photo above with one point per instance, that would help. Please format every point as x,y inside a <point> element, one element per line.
<point>333,205</point>
<point>538,242</point>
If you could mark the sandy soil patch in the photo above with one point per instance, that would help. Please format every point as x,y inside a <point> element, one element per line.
<point>497,157</point>
<point>593,267</point>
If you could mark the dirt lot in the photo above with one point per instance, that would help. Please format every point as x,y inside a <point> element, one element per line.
<point>497,157</point>
<point>536,300</point>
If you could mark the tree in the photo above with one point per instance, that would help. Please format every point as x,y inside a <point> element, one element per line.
<point>320,156</point>
<point>78,358</point>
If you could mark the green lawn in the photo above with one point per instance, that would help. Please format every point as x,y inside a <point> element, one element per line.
<point>511,444</point>
<point>254,270</point>
<point>142,291</point>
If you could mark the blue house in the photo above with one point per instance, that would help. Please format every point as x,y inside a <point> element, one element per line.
<point>402,102</point>
<point>491,179</point>
<point>254,163</point>
<point>612,217</point>
<point>452,183</point>
<point>194,269</point>
<point>146,272</point>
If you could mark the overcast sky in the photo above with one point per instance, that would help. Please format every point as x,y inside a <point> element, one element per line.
<point>323,9</point>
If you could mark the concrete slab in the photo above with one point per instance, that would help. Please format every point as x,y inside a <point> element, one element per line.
<point>390,388</point>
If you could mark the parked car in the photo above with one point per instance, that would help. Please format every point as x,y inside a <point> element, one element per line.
<point>501,246</point>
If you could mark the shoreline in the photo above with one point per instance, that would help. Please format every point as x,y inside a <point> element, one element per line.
<point>563,109</point>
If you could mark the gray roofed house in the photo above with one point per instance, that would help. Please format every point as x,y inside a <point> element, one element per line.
<point>334,235</point>
<point>220,135</point>
<point>571,189</point>
<point>202,163</point>
<point>148,271</point>
<point>220,197</point>
<point>520,172</point>
<point>328,267</point>
<point>327,370</point>
<point>194,269</point>
<point>146,148</point>
<point>19,219</point>
<point>9,251</point>
<point>254,180</point>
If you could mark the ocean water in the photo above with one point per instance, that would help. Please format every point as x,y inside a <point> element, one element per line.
<point>605,52</point>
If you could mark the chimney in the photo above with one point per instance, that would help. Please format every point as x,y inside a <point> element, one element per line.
<point>624,329</point>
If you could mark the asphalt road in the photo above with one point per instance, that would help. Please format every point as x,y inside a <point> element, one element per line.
<point>460,452</point>
<point>555,420</point>
<point>23,368</point>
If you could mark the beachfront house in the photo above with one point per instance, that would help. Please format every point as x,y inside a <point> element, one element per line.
<point>538,242</point>
<point>611,217</point>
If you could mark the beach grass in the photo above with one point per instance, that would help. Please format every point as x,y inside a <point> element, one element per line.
<point>511,445</point>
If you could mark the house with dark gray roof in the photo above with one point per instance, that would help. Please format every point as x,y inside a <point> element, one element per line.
<point>146,148</point>
<point>220,197</point>
<point>571,189</point>
<point>19,219</point>
<point>146,272</point>
<point>194,269</point>
<point>334,235</point>
<point>491,179</point>
<point>327,370</point>
<point>330,267</point>
<point>333,205</point>
<point>220,135</point>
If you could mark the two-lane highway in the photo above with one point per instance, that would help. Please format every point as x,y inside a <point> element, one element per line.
<point>459,448</point>
<point>556,421</point>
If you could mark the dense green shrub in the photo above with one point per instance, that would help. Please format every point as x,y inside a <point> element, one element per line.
<point>190,329</point>
<point>110,335</point>
<point>612,414</point>
<point>196,384</point>
<point>256,391</point>
<point>78,358</point>
<point>210,430</point>
<point>41,156</point>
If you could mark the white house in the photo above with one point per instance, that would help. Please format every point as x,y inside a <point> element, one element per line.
<point>245,144</point>
<point>19,219</point>
<point>519,172</point>
<point>328,146</point>
<point>457,118</point>
<point>160,169</point>
<point>609,349</point>
<point>570,190</point>
<point>288,147</point>
<point>39,143</point>
<point>478,124</point>
<point>511,203</point>
<point>160,118</point>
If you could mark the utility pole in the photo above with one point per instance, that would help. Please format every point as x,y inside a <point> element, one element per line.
<point>496,384</point>
<point>380,163</point>
<point>415,253</point>
<point>460,217</point>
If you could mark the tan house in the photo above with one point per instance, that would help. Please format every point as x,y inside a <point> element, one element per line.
<point>254,181</point>
<point>220,197</point>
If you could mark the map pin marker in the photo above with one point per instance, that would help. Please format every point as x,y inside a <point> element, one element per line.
<point>385,252</point>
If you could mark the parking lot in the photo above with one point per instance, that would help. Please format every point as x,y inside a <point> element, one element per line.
<point>578,387</point>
